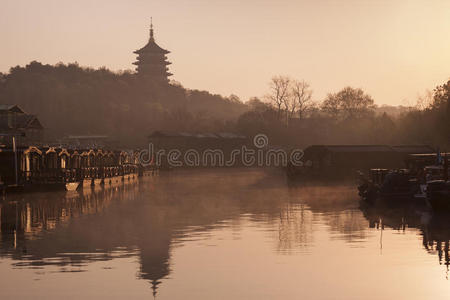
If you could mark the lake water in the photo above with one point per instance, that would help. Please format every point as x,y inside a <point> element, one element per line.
<point>220,234</point>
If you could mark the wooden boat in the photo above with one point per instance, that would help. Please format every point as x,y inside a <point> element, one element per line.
<point>72,186</point>
<point>87,182</point>
<point>430,185</point>
<point>389,185</point>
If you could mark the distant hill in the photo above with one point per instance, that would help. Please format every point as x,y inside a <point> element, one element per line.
<point>393,111</point>
<point>69,99</point>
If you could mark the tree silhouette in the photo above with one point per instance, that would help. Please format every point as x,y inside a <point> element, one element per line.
<point>349,103</point>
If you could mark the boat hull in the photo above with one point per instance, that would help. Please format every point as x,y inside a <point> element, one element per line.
<point>72,186</point>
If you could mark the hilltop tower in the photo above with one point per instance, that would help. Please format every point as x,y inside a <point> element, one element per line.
<point>152,61</point>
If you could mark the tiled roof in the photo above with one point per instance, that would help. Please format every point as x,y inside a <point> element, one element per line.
<point>407,149</point>
<point>11,108</point>
<point>414,149</point>
<point>354,148</point>
<point>222,135</point>
<point>22,121</point>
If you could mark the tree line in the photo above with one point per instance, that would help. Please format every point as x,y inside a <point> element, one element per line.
<point>288,114</point>
<point>74,100</point>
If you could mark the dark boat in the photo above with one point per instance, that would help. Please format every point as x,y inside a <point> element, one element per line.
<point>392,185</point>
<point>438,194</point>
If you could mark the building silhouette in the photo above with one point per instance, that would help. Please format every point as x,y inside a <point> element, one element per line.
<point>151,62</point>
<point>15,122</point>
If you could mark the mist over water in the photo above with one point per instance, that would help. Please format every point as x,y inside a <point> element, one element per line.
<point>204,145</point>
<point>219,234</point>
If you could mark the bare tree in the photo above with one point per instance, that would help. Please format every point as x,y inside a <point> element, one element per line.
<point>279,92</point>
<point>290,105</point>
<point>424,101</point>
<point>301,95</point>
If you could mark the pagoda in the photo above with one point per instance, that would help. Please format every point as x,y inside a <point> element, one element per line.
<point>152,61</point>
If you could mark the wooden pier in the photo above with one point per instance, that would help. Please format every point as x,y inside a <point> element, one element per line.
<point>47,168</point>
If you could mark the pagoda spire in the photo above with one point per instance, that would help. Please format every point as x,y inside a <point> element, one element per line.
<point>152,38</point>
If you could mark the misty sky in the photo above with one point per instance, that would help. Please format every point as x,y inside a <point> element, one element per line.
<point>394,50</point>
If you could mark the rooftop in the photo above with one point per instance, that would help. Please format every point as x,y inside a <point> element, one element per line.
<point>198,135</point>
<point>410,149</point>
<point>20,121</point>
<point>11,108</point>
<point>87,137</point>
<point>352,148</point>
<point>151,46</point>
<point>406,149</point>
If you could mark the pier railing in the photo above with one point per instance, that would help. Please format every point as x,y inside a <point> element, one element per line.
<point>53,165</point>
<point>72,175</point>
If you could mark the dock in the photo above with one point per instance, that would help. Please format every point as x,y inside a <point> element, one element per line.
<point>47,168</point>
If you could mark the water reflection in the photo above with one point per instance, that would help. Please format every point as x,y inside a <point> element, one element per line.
<point>148,219</point>
<point>436,236</point>
<point>403,216</point>
<point>40,229</point>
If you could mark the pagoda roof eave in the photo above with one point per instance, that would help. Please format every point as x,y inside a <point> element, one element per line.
<point>142,50</point>
<point>165,63</point>
<point>151,47</point>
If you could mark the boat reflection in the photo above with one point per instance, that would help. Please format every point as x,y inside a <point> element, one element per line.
<point>401,215</point>
<point>436,237</point>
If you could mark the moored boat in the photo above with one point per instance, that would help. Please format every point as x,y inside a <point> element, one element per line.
<point>389,185</point>
<point>438,195</point>
<point>428,183</point>
<point>72,186</point>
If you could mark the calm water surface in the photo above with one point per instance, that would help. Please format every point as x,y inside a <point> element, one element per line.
<point>219,234</point>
